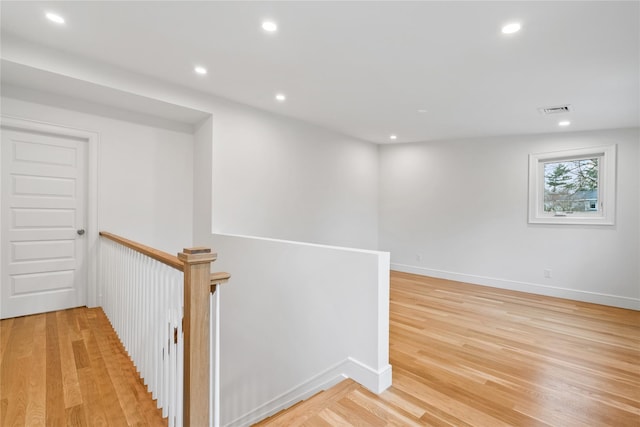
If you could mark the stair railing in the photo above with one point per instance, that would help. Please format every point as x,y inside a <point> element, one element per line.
<point>160,305</point>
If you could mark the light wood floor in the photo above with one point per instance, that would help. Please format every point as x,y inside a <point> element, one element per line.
<point>462,355</point>
<point>466,355</point>
<point>68,368</point>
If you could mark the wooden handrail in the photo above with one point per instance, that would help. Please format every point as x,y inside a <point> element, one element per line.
<point>218,279</point>
<point>158,255</point>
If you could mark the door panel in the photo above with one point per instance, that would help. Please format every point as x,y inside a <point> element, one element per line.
<point>38,282</point>
<point>43,186</point>
<point>43,206</point>
<point>42,250</point>
<point>36,152</point>
<point>33,218</point>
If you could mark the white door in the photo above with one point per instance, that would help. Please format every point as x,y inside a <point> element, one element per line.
<point>43,216</point>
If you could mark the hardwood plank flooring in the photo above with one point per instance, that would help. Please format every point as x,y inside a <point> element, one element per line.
<point>68,368</point>
<point>467,355</point>
<point>462,355</point>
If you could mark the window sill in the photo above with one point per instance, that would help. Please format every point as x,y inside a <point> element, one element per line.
<point>572,220</point>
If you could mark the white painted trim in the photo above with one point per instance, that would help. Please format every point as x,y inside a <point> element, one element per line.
<point>384,261</point>
<point>376,381</point>
<point>322,381</point>
<point>534,288</point>
<point>607,214</point>
<point>92,297</point>
<point>313,245</point>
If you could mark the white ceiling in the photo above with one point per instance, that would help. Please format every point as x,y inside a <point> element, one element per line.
<point>365,68</point>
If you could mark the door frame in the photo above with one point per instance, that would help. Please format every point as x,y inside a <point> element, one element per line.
<point>91,138</point>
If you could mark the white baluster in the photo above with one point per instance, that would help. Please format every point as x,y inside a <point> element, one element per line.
<point>143,300</point>
<point>214,382</point>
<point>178,280</point>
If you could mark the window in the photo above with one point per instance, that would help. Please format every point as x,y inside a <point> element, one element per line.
<point>573,186</point>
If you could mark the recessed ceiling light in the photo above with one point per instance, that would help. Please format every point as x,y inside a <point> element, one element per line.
<point>200,70</point>
<point>511,28</point>
<point>393,137</point>
<point>564,123</point>
<point>53,17</point>
<point>280,97</point>
<point>270,26</point>
<point>422,110</point>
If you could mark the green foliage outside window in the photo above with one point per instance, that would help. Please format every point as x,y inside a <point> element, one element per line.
<point>571,186</point>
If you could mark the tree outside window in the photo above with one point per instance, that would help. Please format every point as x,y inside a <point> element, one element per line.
<point>571,186</point>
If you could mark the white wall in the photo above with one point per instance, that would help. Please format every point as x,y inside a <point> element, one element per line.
<point>296,318</point>
<point>462,206</point>
<point>202,181</point>
<point>145,182</point>
<point>270,176</point>
<point>280,178</point>
<point>273,176</point>
<point>262,175</point>
<point>276,177</point>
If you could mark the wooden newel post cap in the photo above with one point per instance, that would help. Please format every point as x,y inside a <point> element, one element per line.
<point>197,255</point>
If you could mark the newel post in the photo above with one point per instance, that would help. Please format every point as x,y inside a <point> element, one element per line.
<point>197,284</point>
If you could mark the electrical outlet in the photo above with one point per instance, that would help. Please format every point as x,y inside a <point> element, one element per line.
<point>547,273</point>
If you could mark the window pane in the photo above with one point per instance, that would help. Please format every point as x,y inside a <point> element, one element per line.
<point>571,186</point>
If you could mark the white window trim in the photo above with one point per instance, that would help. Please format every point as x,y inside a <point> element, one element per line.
<point>606,189</point>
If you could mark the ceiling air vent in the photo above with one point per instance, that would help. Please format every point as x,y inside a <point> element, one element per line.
<point>559,109</point>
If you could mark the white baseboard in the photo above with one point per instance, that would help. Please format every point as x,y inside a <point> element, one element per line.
<point>534,288</point>
<point>376,381</point>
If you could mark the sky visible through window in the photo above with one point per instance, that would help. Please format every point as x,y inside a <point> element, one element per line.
<point>571,185</point>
